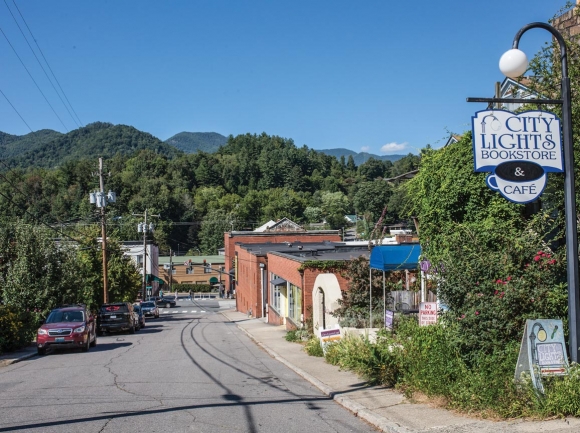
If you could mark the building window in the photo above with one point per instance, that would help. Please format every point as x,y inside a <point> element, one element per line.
<point>276,294</point>
<point>189,271</point>
<point>294,303</point>
<point>207,268</point>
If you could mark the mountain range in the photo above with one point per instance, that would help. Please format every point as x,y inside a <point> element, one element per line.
<point>210,142</point>
<point>48,148</point>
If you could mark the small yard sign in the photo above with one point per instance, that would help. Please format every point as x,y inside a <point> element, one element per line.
<point>543,351</point>
<point>389,315</point>
<point>328,336</point>
<point>427,313</point>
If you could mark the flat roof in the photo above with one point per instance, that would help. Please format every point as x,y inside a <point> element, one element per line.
<point>179,260</point>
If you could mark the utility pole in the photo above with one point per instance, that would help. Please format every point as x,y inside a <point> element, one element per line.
<point>104,237</point>
<point>170,269</point>
<point>145,228</point>
<point>100,199</point>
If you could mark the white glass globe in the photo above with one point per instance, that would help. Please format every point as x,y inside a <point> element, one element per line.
<point>513,63</point>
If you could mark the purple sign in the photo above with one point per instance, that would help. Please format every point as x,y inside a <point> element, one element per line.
<point>389,315</point>
<point>425,265</point>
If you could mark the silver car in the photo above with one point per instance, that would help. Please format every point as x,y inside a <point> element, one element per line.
<point>150,309</point>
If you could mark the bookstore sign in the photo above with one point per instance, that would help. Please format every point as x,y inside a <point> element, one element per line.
<point>518,150</point>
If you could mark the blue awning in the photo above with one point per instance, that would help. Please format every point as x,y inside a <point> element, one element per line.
<point>395,257</point>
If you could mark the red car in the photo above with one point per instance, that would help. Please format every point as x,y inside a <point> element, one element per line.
<point>67,327</point>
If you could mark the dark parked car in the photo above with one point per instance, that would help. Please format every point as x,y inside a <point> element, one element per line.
<point>140,316</point>
<point>67,327</point>
<point>166,302</point>
<point>150,309</point>
<point>117,316</point>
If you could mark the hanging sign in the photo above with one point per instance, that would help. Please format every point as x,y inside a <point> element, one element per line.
<point>518,149</point>
<point>427,313</point>
<point>543,351</point>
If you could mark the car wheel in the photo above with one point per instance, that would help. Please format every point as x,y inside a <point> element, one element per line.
<point>94,343</point>
<point>41,351</point>
<point>100,333</point>
<point>86,346</point>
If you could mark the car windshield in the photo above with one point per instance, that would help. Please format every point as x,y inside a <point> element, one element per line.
<point>65,316</point>
<point>147,304</point>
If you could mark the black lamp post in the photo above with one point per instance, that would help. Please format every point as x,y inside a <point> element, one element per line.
<point>513,64</point>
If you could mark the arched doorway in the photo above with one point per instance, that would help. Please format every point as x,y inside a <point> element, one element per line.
<point>325,295</point>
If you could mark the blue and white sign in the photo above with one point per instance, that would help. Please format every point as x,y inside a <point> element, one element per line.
<point>518,149</point>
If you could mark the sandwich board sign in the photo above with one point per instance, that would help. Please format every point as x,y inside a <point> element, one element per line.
<point>519,150</point>
<point>328,336</point>
<point>543,351</point>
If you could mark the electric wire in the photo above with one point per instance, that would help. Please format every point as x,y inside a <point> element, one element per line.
<point>33,80</point>
<point>46,61</point>
<point>14,108</point>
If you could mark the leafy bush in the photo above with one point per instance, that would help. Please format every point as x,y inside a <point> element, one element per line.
<point>313,347</point>
<point>298,335</point>
<point>194,288</point>
<point>16,328</point>
<point>491,291</point>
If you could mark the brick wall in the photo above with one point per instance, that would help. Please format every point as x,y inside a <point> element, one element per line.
<point>249,283</point>
<point>568,23</point>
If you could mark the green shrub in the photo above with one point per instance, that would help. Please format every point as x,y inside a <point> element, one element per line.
<point>298,335</point>
<point>17,328</point>
<point>194,288</point>
<point>313,347</point>
<point>292,336</point>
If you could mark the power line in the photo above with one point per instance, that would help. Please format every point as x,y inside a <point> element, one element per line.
<point>47,64</point>
<point>33,80</point>
<point>14,108</point>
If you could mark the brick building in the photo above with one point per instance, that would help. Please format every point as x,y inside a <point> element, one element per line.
<point>275,232</point>
<point>272,281</point>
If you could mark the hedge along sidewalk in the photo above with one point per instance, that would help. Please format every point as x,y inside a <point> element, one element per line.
<point>382,407</point>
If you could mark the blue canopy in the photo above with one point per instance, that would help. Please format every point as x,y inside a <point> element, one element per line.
<point>395,257</point>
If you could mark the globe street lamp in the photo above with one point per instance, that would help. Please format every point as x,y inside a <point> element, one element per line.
<point>513,64</point>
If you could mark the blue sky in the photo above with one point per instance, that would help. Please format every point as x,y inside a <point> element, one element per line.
<point>384,76</point>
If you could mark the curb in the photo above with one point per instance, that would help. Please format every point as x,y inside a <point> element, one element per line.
<point>357,409</point>
<point>6,362</point>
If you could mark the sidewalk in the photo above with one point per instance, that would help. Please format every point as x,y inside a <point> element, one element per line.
<point>386,409</point>
<point>18,355</point>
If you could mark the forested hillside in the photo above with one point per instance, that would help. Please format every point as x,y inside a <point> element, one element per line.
<point>92,141</point>
<point>248,181</point>
<point>360,157</point>
<point>13,145</point>
<point>190,142</point>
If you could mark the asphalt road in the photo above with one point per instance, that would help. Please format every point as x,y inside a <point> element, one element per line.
<point>184,372</point>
